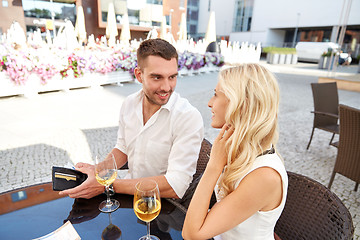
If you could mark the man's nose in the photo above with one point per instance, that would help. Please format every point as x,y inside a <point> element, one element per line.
<point>165,86</point>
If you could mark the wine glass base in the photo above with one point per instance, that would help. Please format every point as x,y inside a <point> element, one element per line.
<point>103,207</point>
<point>152,237</point>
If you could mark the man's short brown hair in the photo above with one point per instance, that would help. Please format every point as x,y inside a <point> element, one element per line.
<point>155,47</point>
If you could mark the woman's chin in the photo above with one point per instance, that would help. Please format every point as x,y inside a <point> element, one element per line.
<point>217,126</point>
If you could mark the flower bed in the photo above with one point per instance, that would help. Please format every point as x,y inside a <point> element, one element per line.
<point>33,70</point>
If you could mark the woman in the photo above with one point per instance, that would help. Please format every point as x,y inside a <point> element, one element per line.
<point>248,176</point>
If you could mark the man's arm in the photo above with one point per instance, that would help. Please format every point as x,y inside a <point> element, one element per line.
<point>188,134</point>
<point>91,187</point>
<point>127,186</point>
<point>120,157</point>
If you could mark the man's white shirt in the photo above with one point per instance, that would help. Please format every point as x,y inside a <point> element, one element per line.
<point>168,144</point>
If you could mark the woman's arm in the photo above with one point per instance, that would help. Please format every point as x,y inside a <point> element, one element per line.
<point>259,190</point>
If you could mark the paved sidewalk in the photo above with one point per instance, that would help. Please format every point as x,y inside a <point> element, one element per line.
<point>59,127</point>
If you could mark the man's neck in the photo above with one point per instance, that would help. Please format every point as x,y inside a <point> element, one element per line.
<point>149,109</point>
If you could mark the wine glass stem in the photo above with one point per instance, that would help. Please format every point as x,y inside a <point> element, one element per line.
<point>148,231</point>
<point>108,201</point>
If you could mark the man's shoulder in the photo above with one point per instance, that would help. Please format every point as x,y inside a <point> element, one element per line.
<point>182,105</point>
<point>133,97</point>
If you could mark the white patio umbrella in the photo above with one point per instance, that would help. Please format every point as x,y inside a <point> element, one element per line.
<point>16,34</point>
<point>80,29</point>
<point>153,34</point>
<point>125,30</point>
<point>111,27</point>
<point>210,35</point>
<point>163,29</point>
<point>182,31</point>
<point>70,36</point>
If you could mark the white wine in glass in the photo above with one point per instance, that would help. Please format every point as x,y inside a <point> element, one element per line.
<point>105,173</point>
<point>147,204</point>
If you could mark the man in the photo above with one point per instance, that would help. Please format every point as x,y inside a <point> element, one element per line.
<point>159,133</point>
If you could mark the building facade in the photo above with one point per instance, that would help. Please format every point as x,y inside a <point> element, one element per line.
<point>144,15</point>
<point>282,23</point>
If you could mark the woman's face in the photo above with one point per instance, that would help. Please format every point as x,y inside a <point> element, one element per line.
<point>218,104</point>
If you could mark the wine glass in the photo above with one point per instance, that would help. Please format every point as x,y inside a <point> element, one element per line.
<point>147,204</point>
<point>105,173</point>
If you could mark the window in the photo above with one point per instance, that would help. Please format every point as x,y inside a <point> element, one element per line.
<point>158,2</point>
<point>5,3</point>
<point>133,16</point>
<point>243,15</point>
<point>43,9</point>
<point>193,3</point>
<point>193,29</point>
<point>194,15</point>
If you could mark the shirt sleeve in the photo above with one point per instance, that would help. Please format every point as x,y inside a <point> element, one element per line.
<point>120,141</point>
<point>188,135</point>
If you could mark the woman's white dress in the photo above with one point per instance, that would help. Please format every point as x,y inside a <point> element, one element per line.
<point>260,226</point>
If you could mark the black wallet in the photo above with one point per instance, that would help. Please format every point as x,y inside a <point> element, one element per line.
<point>65,178</point>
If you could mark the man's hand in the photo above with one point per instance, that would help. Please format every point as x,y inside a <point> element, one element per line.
<point>87,189</point>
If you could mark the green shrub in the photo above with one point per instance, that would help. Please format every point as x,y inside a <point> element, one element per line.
<point>278,50</point>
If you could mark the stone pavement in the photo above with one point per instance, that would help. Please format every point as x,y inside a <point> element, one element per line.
<point>59,127</point>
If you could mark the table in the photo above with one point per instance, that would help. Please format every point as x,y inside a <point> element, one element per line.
<point>44,216</point>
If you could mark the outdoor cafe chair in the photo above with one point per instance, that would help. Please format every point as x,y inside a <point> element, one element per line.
<point>312,211</point>
<point>203,159</point>
<point>326,103</point>
<point>348,155</point>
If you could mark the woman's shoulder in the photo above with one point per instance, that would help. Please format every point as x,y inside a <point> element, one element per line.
<point>269,160</point>
<point>268,168</point>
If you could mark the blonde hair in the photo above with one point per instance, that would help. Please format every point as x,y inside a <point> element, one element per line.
<point>253,95</point>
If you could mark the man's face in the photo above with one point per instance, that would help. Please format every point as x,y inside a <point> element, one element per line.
<point>158,77</point>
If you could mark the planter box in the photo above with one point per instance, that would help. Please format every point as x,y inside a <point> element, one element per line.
<point>268,56</point>
<point>8,87</point>
<point>294,59</point>
<point>321,64</point>
<point>53,84</point>
<point>274,58</point>
<point>288,58</point>
<point>33,84</point>
<point>324,62</point>
<point>111,77</point>
<point>282,59</point>
<point>206,69</point>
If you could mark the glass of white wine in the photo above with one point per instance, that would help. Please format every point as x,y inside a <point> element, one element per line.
<point>105,173</point>
<point>147,204</point>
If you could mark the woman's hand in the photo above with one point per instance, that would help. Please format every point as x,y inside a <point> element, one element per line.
<point>218,155</point>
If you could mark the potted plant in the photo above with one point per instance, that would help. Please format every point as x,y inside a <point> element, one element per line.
<point>277,55</point>
<point>325,59</point>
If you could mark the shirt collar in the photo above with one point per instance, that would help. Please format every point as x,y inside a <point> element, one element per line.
<point>169,105</point>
